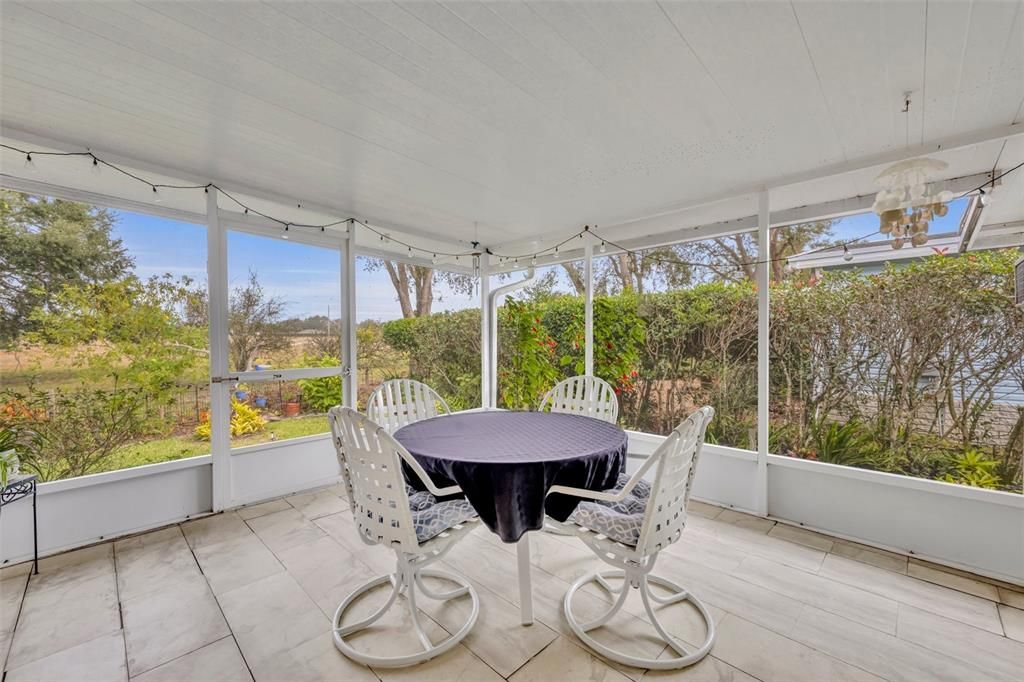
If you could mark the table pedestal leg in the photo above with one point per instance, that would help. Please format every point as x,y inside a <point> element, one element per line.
<point>525,584</point>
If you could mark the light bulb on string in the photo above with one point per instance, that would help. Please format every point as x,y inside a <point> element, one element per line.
<point>30,165</point>
<point>433,259</point>
<point>95,166</point>
<point>603,247</point>
<point>157,197</point>
<point>533,261</point>
<point>983,197</point>
<point>847,256</point>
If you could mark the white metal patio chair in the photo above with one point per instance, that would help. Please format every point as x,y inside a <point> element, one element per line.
<point>627,527</point>
<point>398,402</point>
<point>415,525</point>
<point>587,395</point>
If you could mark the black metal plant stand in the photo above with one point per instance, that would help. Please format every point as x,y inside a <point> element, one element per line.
<point>14,491</point>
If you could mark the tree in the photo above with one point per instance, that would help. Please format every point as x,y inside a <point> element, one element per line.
<point>136,332</point>
<point>635,273</point>
<point>252,323</point>
<point>414,284</point>
<point>734,258</point>
<point>45,245</point>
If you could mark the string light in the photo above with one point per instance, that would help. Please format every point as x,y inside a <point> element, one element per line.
<point>847,256</point>
<point>97,162</point>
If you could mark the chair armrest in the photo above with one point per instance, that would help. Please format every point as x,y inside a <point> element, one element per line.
<point>424,478</point>
<point>606,496</point>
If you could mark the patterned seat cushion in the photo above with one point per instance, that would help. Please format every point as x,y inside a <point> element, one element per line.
<point>622,520</point>
<point>431,518</point>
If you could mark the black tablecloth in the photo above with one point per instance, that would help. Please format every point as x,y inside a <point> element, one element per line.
<point>506,462</point>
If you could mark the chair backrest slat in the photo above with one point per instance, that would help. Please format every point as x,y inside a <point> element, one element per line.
<point>371,469</point>
<point>398,402</point>
<point>673,478</point>
<point>587,395</point>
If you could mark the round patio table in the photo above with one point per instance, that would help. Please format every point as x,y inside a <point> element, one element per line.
<point>505,463</point>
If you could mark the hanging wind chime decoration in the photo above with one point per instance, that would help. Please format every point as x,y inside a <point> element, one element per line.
<point>907,202</point>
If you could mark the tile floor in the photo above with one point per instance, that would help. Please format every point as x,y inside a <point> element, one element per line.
<point>248,594</point>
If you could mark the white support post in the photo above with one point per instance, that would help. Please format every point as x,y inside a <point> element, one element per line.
<point>349,349</point>
<point>763,274</point>
<point>220,389</point>
<point>588,308</point>
<point>487,340</point>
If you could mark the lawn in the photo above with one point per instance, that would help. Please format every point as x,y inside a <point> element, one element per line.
<point>180,447</point>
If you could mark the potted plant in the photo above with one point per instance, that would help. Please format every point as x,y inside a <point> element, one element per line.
<point>241,392</point>
<point>260,401</point>
<point>291,407</point>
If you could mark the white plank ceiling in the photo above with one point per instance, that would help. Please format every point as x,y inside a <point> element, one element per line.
<point>507,121</point>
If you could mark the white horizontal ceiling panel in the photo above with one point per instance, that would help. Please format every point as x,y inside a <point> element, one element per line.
<point>511,120</point>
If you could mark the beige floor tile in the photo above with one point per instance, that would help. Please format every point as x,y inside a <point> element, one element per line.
<point>210,530</point>
<point>394,634</point>
<point>802,536</point>
<point>710,669</point>
<point>496,570</point>
<point>262,509</point>
<point>681,620</point>
<point>220,661</point>
<point>698,548</point>
<point>708,511</point>
<point>565,660</point>
<point>498,637</point>
<point>752,602</point>
<point>326,571</point>
<point>145,567</point>
<point>966,608</point>
<point>458,664</point>
<point>829,595</point>
<point>236,562</point>
<point>952,581</point>
<point>755,542</point>
<point>284,529</point>
<point>870,555</point>
<point>313,505</point>
<point>162,626</point>
<point>64,615</point>
<point>1013,622</point>
<point>979,648</point>
<point>15,570</point>
<point>271,616</point>
<point>342,527</point>
<point>100,660</point>
<point>560,559</point>
<point>885,655</point>
<point>1011,598</point>
<point>312,661</point>
<point>747,521</point>
<point>769,656</point>
<point>125,547</point>
<point>12,590</point>
<point>63,571</point>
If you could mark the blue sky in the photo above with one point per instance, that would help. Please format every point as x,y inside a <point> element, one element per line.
<point>307,277</point>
